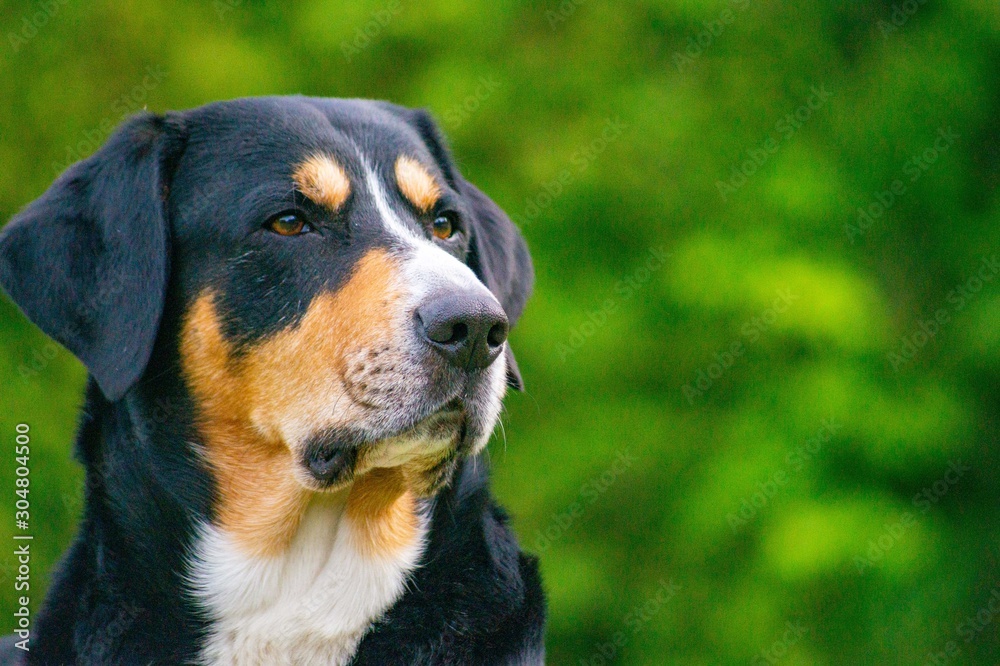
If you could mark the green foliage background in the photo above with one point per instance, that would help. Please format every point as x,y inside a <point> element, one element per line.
<point>607,346</point>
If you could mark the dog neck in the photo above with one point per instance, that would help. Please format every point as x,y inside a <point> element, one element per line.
<point>288,575</point>
<point>312,602</point>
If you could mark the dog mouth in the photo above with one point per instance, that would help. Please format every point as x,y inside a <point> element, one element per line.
<point>334,458</point>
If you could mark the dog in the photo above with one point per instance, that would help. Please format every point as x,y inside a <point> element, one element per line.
<point>294,315</point>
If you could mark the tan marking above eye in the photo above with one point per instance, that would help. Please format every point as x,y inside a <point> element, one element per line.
<point>323,180</point>
<point>417,184</point>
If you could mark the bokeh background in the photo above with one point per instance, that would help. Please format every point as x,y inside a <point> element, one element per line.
<point>761,422</point>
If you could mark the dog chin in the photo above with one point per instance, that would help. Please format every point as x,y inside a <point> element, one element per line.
<point>425,454</point>
<point>425,445</point>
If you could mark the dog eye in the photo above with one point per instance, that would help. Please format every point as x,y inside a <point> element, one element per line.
<point>288,224</point>
<point>444,226</point>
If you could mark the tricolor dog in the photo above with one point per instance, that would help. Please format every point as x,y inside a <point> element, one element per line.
<point>294,313</point>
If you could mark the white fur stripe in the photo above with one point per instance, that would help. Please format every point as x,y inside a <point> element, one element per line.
<point>427,267</point>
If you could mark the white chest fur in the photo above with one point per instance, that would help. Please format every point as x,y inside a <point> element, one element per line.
<point>309,605</point>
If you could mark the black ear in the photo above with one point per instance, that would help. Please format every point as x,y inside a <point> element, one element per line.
<point>498,254</point>
<point>88,260</point>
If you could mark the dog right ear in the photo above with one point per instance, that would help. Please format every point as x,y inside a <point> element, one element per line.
<point>88,261</point>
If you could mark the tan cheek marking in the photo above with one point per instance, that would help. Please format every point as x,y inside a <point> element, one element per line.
<point>383,511</point>
<point>260,502</point>
<point>323,180</point>
<point>299,372</point>
<point>416,183</point>
<point>293,375</point>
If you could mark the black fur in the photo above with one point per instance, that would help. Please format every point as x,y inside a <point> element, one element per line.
<point>106,262</point>
<point>88,261</point>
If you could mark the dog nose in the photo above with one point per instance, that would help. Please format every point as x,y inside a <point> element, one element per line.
<point>468,328</point>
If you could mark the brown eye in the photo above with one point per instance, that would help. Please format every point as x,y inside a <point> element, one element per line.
<point>443,227</point>
<point>288,224</point>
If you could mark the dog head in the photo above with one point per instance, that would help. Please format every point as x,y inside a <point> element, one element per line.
<point>343,293</point>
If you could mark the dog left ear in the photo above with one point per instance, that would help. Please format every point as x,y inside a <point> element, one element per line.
<point>498,254</point>
<point>88,261</point>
